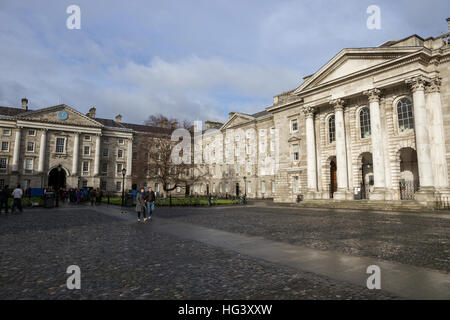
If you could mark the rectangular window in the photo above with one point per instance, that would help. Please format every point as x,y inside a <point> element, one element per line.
<point>295,152</point>
<point>28,164</point>
<point>157,187</point>
<point>2,183</point>
<point>273,187</point>
<point>3,162</point>
<point>295,185</point>
<point>220,188</point>
<point>85,166</point>
<point>87,138</point>
<point>103,185</point>
<point>87,150</point>
<point>120,153</point>
<point>84,184</point>
<point>106,139</point>
<point>6,132</point>
<point>26,184</point>
<point>294,125</point>
<point>32,133</point>
<point>119,168</point>
<point>105,152</point>
<point>249,187</point>
<point>60,145</point>
<point>263,187</point>
<point>121,141</point>
<point>226,188</point>
<point>30,146</point>
<point>104,168</point>
<point>5,146</point>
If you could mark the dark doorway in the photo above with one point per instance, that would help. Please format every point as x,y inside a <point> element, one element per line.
<point>333,179</point>
<point>207,189</point>
<point>57,178</point>
<point>188,191</point>
<point>237,190</point>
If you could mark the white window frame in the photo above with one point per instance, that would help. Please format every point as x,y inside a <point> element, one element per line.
<point>34,146</point>
<point>29,161</point>
<point>8,132</point>
<point>107,152</point>
<point>120,153</point>
<point>292,125</point>
<point>6,163</point>
<point>7,142</point>
<point>121,167</point>
<point>64,145</point>
<point>87,138</point>
<point>32,133</point>
<point>84,150</point>
<point>295,154</point>
<point>83,168</point>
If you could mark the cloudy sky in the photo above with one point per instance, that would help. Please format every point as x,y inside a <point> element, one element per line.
<point>191,59</point>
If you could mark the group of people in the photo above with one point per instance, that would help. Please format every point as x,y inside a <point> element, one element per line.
<point>145,204</point>
<point>17,195</point>
<point>95,196</point>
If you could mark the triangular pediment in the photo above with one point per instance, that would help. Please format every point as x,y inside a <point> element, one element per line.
<point>350,62</point>
<point>237,119</point>
<point>60,114</point>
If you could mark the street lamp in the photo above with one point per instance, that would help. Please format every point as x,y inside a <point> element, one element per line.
<point>124,172</point>
<point>245,187</point>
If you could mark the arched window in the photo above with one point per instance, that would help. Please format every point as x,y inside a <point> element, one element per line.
<point>332,129</point>
<point>364,122</point>
<point>405,115</point>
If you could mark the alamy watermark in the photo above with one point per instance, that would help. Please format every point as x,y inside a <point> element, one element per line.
<point>74,280</point>
<point>374,20</point>
<point>374,281</point>
<point>74,20</point>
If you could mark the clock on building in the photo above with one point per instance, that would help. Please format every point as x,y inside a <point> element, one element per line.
<point>63,115</point>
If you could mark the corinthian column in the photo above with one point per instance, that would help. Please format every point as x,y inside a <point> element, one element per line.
<point>76,149</point>
<point>437,135</point>
<point>379,192</point>
<point>42,148</point>
<point>97,156</point>
<point>16,154</point>
<point>341,150</point>
<point>426,191</point>
<point>311,150</point>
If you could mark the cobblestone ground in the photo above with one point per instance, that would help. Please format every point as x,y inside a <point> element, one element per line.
<point>123,260</point>
<point>405,238</point>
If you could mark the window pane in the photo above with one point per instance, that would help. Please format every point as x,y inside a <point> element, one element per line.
<point>364,120</point>
<point>405,115</point>
<point>332,129</point>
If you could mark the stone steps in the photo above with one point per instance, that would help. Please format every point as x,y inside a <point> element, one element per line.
<point>366,205</point>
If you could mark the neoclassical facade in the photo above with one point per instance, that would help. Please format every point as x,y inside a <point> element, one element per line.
<point>373,123</point>
<point>61,147</point>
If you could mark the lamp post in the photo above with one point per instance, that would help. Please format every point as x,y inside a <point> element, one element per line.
<point>124,172</point>
<point>245,189</point>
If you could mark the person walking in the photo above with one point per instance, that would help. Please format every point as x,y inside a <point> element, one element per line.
<point>150,198</point>
<point>78,196</point>
<point>17,195</point>
<point>4,197</point>
<point>92,196</point>
<point>140,205</point>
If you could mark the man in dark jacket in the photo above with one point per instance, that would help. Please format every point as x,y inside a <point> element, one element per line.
<point>4,196</point>
<point>150,198</point>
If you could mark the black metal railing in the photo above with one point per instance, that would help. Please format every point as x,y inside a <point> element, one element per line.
<point>442,203</point>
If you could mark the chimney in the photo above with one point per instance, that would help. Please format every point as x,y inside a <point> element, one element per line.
<point>25,104</point>
<point>118,118</point>
<point>448,22</point>
<point>91,113</point>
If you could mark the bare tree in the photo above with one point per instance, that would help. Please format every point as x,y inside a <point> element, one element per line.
<point>166,172</point>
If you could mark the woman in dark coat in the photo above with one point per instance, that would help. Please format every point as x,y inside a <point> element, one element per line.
<point>140,205</point>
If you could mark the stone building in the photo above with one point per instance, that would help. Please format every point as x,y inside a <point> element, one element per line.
<point>372,123</point>
<point>61,147</point>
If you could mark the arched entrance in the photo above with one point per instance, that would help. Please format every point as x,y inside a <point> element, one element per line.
<point>57,178</point>
<point>333,178</point>
<point>367,179</point>
<point>409,173</point>
<point>237,190</point>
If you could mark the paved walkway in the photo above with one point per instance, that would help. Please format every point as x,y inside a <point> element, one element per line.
<point>402,280</point>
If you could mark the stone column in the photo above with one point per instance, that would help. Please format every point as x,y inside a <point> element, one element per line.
<point>16,154</point>
<point>426,191</point>
<point>437,138</point>
<point>76,149</point>
<point>311,152</point>
<point>97,156</point>
<point>130,158</point>
<point>379,173</point>
<point>341,151</point>
<point>42,148</point>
